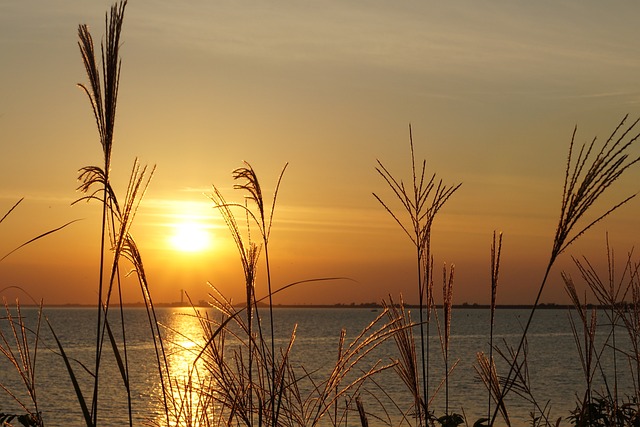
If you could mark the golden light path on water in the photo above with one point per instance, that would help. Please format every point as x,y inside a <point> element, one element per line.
<point>188,385</point>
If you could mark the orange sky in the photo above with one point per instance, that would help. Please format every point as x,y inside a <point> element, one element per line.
<point>493,92</point>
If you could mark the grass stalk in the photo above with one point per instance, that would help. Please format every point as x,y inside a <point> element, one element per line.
<point>612,294</point>
<point>251,184</point>
<point>586,344</point>
<point>587,178</point>
<point>421,201</point>
<point>407,364</point>
<point>496,249</point>
<point>447,304</point>
<point>102,92</point>
<point>249,256</point>
<point>103,99</point>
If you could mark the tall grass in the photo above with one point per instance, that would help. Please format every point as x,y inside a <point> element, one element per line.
<point>587,177</point>
<point>257,371</point>
<point>103,97</point>
<point>117,218</point>
<point>485,366</point>
<point>406,366</point>
<point>447,306</point>
<point>20,347</point>
<point>22,353</point>
<point>614,296</point>
<point>496,251</point>
<point>249,255</point>
<point>421,201</point>
<point>251,184</point>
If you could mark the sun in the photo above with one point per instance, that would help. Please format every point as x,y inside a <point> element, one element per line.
<point>190,237</point>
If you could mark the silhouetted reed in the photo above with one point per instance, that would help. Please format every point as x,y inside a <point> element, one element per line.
<point>103,97</point>
<point>252,186</point>
<point>421,201</point>
<point>485,365</point>
<point>615,296</point>
<point>587,178</point>
<point>264,374</point>
<point>496,250</point>
<point>406,366</point>
<point>20,348</point>
<point>117,218</point>
<point>447,305</point>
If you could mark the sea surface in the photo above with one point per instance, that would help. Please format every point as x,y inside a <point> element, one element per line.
<point>554,369</point>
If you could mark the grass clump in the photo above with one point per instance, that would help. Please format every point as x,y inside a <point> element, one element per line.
<point>614,296</point>
<point>257,383</point>
<point>587,177</point>
<point>20,348</point>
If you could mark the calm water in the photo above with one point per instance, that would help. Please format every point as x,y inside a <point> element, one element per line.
<point>554,366</point>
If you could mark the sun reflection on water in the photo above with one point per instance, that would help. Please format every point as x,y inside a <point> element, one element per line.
<point>189,386</point>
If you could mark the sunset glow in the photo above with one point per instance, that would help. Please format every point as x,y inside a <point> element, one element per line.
<point>493,93</point>
<point>190,236</point>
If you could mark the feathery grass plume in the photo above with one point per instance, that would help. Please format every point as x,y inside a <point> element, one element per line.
<point>21,351</point>
<point>223,354</point>
<point>249,256</point>
<point>103,98</point>
<point>587,178</point>
<point>104,107</point>
<point>123,246</point>
<point>116,219</point>
<point>421,202</point>
<point>447,304</point>
<point>130,251</point>
<point>496,250</point>
<point>117,226</point>
<point>486,369</point>
<point>252,185</point>
<point>352,355</point>
<point>407,365</point>
<point>253,380</point>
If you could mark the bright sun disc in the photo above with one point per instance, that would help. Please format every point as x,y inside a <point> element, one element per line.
<point>190,237</point>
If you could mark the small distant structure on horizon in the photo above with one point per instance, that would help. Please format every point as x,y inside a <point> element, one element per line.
<point>181,303</point>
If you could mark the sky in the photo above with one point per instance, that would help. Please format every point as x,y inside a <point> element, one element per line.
<point>492,91</point>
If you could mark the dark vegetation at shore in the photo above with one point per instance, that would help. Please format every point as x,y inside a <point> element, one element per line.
<point>239,376</point>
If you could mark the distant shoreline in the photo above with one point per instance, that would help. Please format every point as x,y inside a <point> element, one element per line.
<point>202,304</point>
